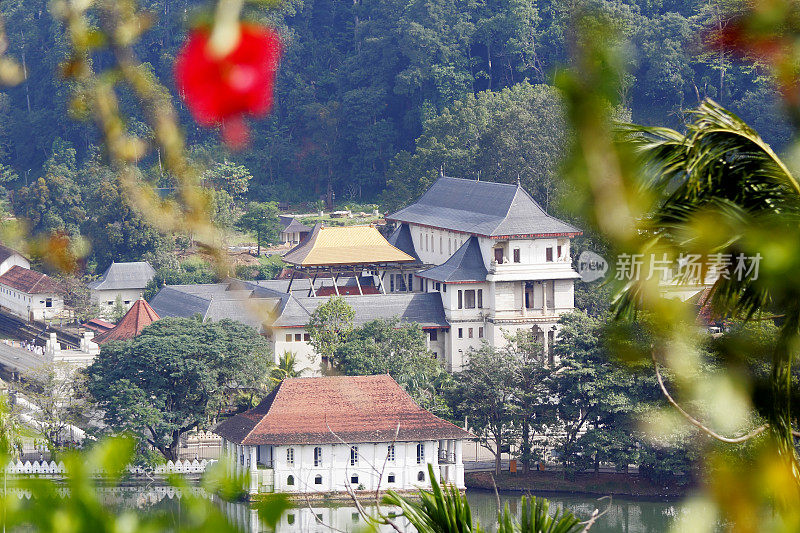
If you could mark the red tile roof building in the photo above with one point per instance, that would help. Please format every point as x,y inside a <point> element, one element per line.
<point>310,433</point>
<point>29,281</point>
<point>138,317</point>
<point>30,294</point>
<point>330,409</point>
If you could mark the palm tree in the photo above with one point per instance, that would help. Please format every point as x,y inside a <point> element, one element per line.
<point>287,368</point>
<point>721,170</point>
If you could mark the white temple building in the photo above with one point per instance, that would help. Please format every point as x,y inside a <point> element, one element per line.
<point>470,261</point>
<point>326,434</point>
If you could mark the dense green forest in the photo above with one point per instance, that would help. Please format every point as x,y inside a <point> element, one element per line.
<point>376,97</point>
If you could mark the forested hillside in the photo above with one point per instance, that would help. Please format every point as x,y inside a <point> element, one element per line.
<point>378,93</point>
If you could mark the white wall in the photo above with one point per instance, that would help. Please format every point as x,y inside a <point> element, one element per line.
<point>307,359</point>
<point>22,304</point>
<point>15,259</point>
<point>107,299</point>
<point>337,472</point>
<point>435,246</point>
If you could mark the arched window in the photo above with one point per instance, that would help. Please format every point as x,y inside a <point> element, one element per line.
<point>290,518</point>
<point>421,476</point>
<point>290,480</point>
<point>317,456</point>
<point>318,480</point>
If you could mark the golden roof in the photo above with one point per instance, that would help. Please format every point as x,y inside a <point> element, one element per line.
<point>345,245</point>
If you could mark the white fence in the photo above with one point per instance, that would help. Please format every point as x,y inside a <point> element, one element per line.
<point>57,469</point>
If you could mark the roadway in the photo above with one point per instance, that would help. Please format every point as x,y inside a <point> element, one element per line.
<point>19,360</point>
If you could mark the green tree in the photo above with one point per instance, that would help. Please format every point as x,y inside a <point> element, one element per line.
<point>261,220</point>
<point>597,399</point>
<point>174,376</point>
<point>58,392</point>
<point>53,203</point>
<point>485,393</point>
<point>287,367</point>
<point>330,325</point>
<point>10,430</point>
<point>230,177</point>
<point>78,297</point>
<point>398,349</point>
<point>119,310</point>
<point>534,404</point>
<point>505,136</point>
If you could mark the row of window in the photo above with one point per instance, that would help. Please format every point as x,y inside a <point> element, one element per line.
<point>390,455</point>
<point>429,244</point>
<point>297,337</point>
<point>470,299</point>
<point>470,333</point>
<point>391,478</point>
<point>48,302</point>
<point>548,254</point>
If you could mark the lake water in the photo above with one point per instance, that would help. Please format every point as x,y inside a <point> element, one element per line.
<point>622,516</point>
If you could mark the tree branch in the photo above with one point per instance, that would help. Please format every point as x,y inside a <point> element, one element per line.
<point>711,433</point>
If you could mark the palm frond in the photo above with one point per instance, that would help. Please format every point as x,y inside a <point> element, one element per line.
<point>720,168</point>
<point>535,518</point>
<point>440,510</point>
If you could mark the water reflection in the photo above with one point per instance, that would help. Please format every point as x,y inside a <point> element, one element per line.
<point>312,518</point>
<point>623,516</point>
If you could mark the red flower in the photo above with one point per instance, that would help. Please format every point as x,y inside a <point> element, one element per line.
<point>220,91</point>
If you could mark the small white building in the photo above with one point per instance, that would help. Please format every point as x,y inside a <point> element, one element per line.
<point>9,258</point>
<point>30,294</point>
<point>292,230</point>
<point>325,434</point>
<point>123,281</point>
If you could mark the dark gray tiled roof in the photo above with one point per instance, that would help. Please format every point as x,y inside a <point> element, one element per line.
<point>6,252</point>
<point>259,305</point>
<point>253,312</point>
<point>295,226</point>
<point>466,265</point>
<point>481,208</point>
<point>119,276</point>
<point>235,300</point>
<point>401,239</point>
<point>425,308</point>
<point>171,300</point>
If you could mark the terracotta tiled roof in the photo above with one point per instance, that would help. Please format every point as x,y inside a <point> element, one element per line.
<point>345,245</point>
<point>29,281</point>
<point>138,317</point>
<point>327,409</point>
<point>98,325</point>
